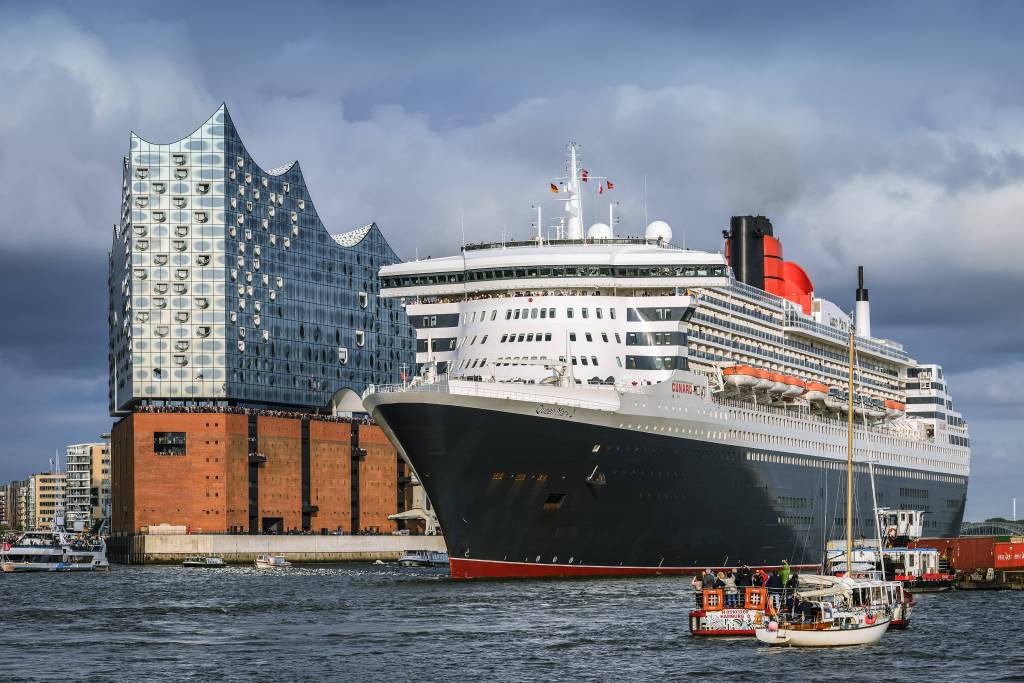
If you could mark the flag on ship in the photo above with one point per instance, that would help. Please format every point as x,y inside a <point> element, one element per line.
<point>554,188</point>
<point>611,185</point>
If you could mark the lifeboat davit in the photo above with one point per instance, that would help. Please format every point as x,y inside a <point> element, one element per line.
<point>779,384</point>
<point>794,386</point>
<point>764,380</point>
<point>739,376</point>
<point>816,391</point>
<point>837,399</point>
<point>894,408</point>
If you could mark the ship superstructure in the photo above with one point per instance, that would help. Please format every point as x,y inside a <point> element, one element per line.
<point>594,404</point>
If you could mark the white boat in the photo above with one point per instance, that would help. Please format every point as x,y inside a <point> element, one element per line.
<point>204,562</point>
<point>423,558</point>
<point>853,630</point>
<point>272,562</point>
<point>54,551</point>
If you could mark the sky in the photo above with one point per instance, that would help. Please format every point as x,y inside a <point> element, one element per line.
<point>889,135</point>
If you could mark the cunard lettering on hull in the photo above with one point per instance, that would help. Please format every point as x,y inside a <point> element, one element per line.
<point>587,403</point>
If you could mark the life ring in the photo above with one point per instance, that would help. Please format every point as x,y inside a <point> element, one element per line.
<point>755,598</point>
<point>714,599</point>
<point>870,619</point>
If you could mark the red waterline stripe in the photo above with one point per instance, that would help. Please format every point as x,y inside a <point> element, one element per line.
<point>723,632</point>
<point>462,568</point>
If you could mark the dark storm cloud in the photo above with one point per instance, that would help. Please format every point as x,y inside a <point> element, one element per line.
<point>883,134</point>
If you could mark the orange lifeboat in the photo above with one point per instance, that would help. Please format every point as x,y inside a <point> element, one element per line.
<point>816,391</point>
<point>764,380</point>
<point>794,386</point>
<point>779,384</point>
<point>739,376</point>
<point>894,408</point>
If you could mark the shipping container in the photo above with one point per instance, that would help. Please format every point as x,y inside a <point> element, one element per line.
<point>1009,556</point>
<point>965,554</point>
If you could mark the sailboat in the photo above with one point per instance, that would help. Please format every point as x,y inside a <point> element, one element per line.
<point>833,611</point>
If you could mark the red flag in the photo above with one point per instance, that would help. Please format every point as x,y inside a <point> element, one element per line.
<point>554,188</point>
<point>601,189</point>
<point>611,186</point>
<point>585,175</point>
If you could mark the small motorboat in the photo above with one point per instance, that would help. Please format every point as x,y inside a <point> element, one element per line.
<point>204,562</point>
<point>423,558</point>
<point>272,562</point>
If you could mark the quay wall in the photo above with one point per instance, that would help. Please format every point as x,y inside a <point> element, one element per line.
<point>238,548</point>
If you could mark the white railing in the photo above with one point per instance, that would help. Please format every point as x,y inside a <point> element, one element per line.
<point>488,390</point>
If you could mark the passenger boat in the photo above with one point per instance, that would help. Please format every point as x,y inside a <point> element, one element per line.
<point>733,615</point>
<point>272,562</point>
<point>423,558</point>
<point>54,551</point>
<point>204,562</point>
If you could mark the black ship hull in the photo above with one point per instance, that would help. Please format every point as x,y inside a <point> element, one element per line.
<point>521,495</point>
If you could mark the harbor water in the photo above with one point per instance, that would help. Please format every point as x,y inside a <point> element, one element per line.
<point>367,622</point>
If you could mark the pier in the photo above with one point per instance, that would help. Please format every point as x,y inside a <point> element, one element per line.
<point>241,548</point>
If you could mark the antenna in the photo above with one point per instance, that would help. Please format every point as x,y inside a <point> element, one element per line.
<point>462,224</point>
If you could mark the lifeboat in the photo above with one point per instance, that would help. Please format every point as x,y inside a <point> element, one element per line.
<point>816,391</point>
<point>794,386</point>
<point>779,384</point>
<point>894,408</point>
<point>875,408</point>
<point>764,380</point>
<point>837,399</point>
<point>739,376</point>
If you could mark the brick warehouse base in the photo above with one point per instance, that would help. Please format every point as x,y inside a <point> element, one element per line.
<point>227,472</point>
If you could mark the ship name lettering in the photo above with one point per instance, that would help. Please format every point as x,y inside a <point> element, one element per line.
<point>555,411</point>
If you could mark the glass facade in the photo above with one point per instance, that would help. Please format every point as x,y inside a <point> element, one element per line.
<point>225,285</point>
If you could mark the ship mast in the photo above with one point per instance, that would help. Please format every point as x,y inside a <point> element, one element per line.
<point>849,470</point>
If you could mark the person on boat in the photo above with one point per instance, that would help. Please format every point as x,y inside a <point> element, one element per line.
<point>760,578</point>
<point>743,578</point>
<point>731,592</point>
<point>774,587</point>
<point>708,580</point>
<point>784,574</point>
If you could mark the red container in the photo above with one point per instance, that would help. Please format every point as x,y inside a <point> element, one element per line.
<point>1009,556</point>
<point>963,554</point>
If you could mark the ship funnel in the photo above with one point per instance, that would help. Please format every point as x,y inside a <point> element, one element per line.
<point>862,314</point>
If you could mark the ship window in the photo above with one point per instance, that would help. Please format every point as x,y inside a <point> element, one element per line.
<point>521,337</point>
<point>599,314</point>
<point>611,313</point>
<point>574,361</point>
<point>551,313</point>
<point>583,359</point>
<point>503,338</point>
<point>572,336</point>
<point>568,313</point>
<point>618,361</point>
<point>516,316</point>
<point>533,313</point>
<point>484,340</point>
<point>547,336</point>
<point>588,335</point>
<point>494,314</point>
<point>593,359</point>
<point>543,313</point>
<point>604,337</point>
<point>585,313</point>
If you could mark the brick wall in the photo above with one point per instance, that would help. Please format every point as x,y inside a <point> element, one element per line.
<point>280,478</point>
<point>330,475</point>
<point>378,480</point>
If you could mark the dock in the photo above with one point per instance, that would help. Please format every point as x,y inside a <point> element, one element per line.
<point>242,549</point>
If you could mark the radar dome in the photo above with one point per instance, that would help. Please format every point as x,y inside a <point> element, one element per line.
<point>659,230</point>
<point>599,231</point>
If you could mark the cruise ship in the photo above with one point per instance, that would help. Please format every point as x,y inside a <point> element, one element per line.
<point>590,404</point>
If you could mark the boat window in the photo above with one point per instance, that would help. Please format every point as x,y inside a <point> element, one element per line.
<point>572,336</point>
<point>588,336</point>
<point>599,314</point>
<point>568,313</point>
<point>551,313</point>
<point>585,313</point>
<point>533,313</point>
<point>593,359</point>
<point>547,336</point>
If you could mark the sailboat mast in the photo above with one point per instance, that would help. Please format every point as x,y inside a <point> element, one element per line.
<point>849,470</point>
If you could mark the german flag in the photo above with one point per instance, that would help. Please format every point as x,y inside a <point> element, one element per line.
<point>554,188</point>
<point>611,185</point>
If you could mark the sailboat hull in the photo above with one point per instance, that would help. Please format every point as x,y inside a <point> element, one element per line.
<point>798,637</point>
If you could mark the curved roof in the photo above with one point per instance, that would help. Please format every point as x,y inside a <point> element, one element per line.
<point>352,237</point>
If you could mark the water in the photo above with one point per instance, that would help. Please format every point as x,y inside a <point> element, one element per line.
<point>365,622</point>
